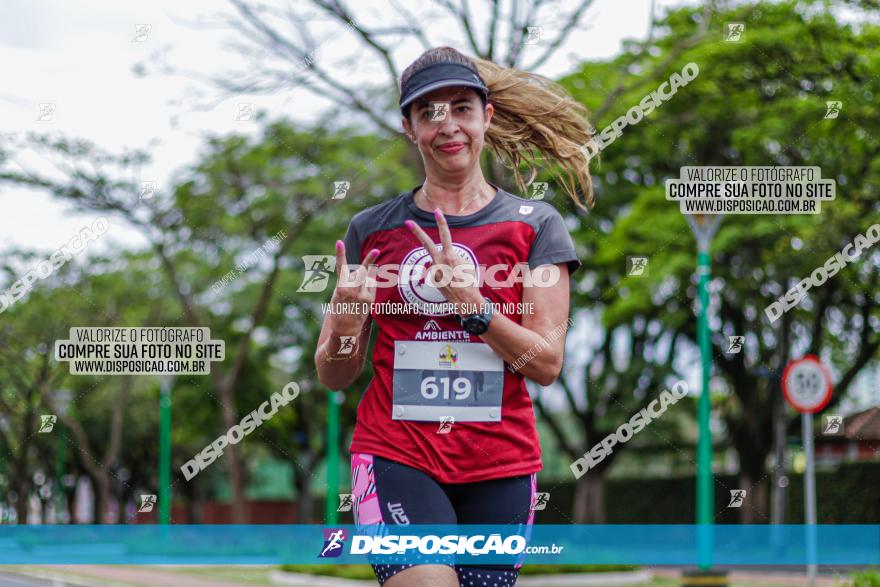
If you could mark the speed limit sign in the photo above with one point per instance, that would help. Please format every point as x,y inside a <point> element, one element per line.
<point>806,384</point>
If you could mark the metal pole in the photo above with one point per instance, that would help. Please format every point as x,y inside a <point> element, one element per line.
<point>3,482</point>
<point>330,505</point>
<point>810,496</point>
<point>705,488</point>
<point>777,496</point>
<point>165,452</point>
<point>60,457</point>
<point>704,229</point>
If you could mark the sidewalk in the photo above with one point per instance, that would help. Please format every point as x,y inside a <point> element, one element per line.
<point>107,575</point>
<point>150,576</point>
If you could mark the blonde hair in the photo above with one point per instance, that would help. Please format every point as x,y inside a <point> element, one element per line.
<point>535,121</point>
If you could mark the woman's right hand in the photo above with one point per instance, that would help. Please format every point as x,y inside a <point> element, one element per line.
<point>359,296</point>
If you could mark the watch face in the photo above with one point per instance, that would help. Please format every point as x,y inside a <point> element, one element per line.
<point>476,324</point>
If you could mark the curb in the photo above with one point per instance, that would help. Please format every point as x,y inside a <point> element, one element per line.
<point>61,578</point>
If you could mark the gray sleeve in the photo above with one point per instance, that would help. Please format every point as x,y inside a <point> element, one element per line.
<point>353,243</point>
<point>553,244</point>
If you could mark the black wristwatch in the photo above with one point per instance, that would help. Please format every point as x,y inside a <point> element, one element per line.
<point>477,323</point>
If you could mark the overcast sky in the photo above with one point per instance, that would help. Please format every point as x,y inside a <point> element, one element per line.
<point>79,57</point>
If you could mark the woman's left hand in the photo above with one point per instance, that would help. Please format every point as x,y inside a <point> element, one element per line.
<point>461,290</point>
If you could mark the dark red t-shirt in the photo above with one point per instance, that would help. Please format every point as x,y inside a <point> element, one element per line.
<point>509,230</point>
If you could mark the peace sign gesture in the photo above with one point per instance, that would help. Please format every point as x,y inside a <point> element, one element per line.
<point>460,288</point>
<point>359,295</point>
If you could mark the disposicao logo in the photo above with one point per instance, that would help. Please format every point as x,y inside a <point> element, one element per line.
<point>334,540</point>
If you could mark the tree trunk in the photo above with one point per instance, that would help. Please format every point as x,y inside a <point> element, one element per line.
<point>194,503</point>
<point>304,509</point>
<point>754,507</point>
<point>589,499</point>
<point>236,477</point>
<point>22,488</point>
<point>102,497</point>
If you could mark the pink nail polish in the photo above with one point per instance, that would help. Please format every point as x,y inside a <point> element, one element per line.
<point>409,223</point>
<point>375,252</point>
<point>338,245</point>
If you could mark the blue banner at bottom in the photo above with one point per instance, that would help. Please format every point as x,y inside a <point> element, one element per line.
<point>462,544</point>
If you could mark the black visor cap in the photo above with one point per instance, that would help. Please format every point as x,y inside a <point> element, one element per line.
<point>440,75</point>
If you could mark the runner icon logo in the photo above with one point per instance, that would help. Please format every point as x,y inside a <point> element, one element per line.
<point>317,272</point>
<point>46,112</point>
<point>333,543</point>
<point>340,188</point>
<point>533,35</point>
<point>438,111</point>
<point>344,502</point>
<point>832,108</point>
<point>141,32</point>
<point>47,423</point>
<point>734,31</point>
<point>541,500</point>
<point>446,423</point>
<point>539,190</point>
<point>246,112</point>
<point>833,425</point>
<point>735,344</point>
<point>636,266</point>
<point>147,503</point>
<point>736,498</point>
<point>148,190</point>
<point>346,344</point>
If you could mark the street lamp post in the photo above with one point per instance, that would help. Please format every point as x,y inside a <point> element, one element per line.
<point>704,228</point>
<point>4,511</point>
<point>165,450</point>
<point>330,506</point>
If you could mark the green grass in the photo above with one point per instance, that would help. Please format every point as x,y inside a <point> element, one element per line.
<point>866,579</point>
<point>359,572</point>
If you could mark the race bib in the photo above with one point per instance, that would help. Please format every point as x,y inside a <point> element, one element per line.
<point>439,381</point>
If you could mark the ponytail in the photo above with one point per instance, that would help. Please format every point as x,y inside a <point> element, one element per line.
<point>536,123</point>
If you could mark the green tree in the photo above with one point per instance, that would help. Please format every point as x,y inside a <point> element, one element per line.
<point>220,221</point>
<point>759,101</point>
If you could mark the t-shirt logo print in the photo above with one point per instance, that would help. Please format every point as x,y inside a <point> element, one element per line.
<point>414,283</point>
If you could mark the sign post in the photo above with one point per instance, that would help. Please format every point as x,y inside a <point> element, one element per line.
<point>165,449</point>
<point>704,228</point>
<point>806,385</point>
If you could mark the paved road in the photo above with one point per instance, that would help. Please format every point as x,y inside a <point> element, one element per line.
<point>147,576</point>
<point>15,580</point>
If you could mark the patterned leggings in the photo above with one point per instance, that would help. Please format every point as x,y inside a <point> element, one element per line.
<point>385,491</point>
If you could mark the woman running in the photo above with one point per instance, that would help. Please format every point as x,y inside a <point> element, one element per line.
<point>445,432</point>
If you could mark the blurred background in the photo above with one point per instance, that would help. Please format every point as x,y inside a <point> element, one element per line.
<point>200,132</point>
